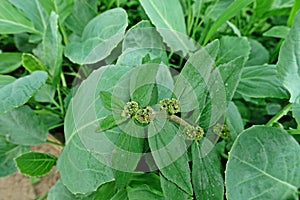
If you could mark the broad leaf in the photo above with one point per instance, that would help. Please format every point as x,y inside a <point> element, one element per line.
<point>5,80</point>
<point>264,163</point>
<point>259,55</point>
<point>51,49</point>
<point>215,10</point>
<point>288,62</point>
<point>8,152</point>
<point>59,191</point>
<point>83,11</point>
<point>21,90</point>
<point>127,153</point>
<point>33,11</point>
<point>62,8</point>
<point>171,190</point>
<point>230,12</point>
<point>35,163</point>
<point>100,36</point>
<point>10,62</point>
<point>206,171</point>
<point>168,18</point>
<point>229,52</point>
<point>168,149</point>
<point>13,21</point>
<point>19,130</point>
<point>111,102</point>
<point>261,82</point>
<point>45,94</point>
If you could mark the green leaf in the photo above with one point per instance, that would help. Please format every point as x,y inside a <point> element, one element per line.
<point>151,179</point>
<point>91,151</point>
<point>111,102</point>
<point>288,62</point>
<point>168,149</point>
<point>264,163</point>
<point>19,130</point>
<point>120,195</point>
<point>126,155</point>
<point>296,113</point>
<point>259,55</point>
<point>32,63</point>
<point>261,8</point>
<point>230,12</point>
<point>33,11</point>
<point>231,74</point>
<point>172,191</point>
<point>277,32</point>
<point>80,171</point>
<point>168,18</point>
<point>45,94</point>
<point>59,191</point>
<point>12,21</point>
<point>51,50</point>
<point>234,120</point>
<point>143,192</point>
<point>62,8</point>
<point>83,11</point>
<point>261,82</point>
<point>8,152</point>
<point>110,122</point>
<point>21,90</point>
<point>206,171</point>
<point>201,78</point>
<point>5,80</point>
<point>10,62</point>
<point>215,10</point>
<point>100,36</point>
<point>229,52</point>
<point>35,163</point>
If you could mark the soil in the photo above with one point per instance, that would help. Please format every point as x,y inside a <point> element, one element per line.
<point>21,187</point>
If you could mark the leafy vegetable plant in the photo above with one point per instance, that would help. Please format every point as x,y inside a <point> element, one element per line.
<point>173,99</point>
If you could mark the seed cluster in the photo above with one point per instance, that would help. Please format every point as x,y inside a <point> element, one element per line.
<point>171,106</point>
<point>193,133</point>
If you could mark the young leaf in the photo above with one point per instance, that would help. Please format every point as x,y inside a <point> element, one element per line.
<point>110,122</point>
<point>51,50</point>
<point>230,12</point>
<point>172,191</point>
<point>111,102</point>
<point>288,62</point>
<point>143,192</point>
<point>32,63</point>
<point>35,163</point>
<point>263,164</point>
<point>10,62</point>
<point>206,171</point>
<point>21,90</point>
<point>168,18</point>
<point>261,82</point>
<point>19,130</point>
<point>12,21</point>
<point>100,36</point>
<point>5,80</point>
<point>169,152</point>
<point>8,152</point>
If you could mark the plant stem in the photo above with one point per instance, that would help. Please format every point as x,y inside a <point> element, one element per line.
<point>44,196</point>
<point>55,143</point>
<point>294,131</point>
<point>60,100</point>
<point>280,114</point>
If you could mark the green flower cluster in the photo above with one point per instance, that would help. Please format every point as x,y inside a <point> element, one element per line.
<point>221,130</point>
<point>171,106</point>
<point>193,133</point>
<point>130,109</point>
<point>142,115</point>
